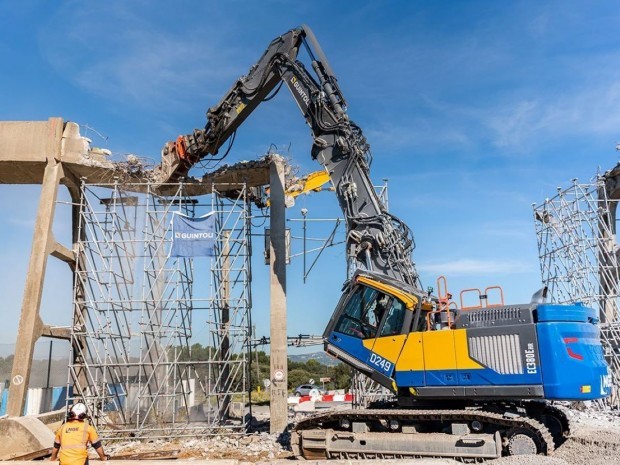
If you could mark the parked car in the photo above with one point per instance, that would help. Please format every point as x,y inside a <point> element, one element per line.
<point>304,390</point>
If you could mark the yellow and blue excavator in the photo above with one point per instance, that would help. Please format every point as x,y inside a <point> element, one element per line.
<point>472,383</point>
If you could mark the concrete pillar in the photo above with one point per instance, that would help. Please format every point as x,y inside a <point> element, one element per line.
<point>277,273</point>
<point>30,325</point>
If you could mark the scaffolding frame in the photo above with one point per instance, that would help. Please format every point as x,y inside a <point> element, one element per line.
<point>578,254</point>
<point>138,311</point>
<point>365,390</point>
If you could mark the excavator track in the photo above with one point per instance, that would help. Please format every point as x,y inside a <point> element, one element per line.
<point>557,422</point>
<point>392,433</point>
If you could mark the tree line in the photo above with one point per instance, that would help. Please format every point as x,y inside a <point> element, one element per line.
<point>259,367</point>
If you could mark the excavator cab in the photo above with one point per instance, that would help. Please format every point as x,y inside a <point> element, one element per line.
<point>398,337</point>
<point>370,325</point>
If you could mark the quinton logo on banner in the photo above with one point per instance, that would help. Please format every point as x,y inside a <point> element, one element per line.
<point>193,237</point>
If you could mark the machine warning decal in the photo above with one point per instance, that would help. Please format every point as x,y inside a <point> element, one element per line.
<point>240,107</point>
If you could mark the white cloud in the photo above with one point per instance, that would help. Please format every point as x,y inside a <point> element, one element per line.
<point>115,53</point>
<point>588,111</point>
<point>514,125</point>
<point>519,121</point>
<point>417,134</point>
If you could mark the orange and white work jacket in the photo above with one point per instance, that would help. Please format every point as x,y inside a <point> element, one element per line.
<point>72,438</point>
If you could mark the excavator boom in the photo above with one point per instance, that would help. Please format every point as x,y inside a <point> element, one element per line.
<point>378,240</point>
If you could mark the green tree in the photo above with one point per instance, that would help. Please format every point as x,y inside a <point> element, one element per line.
<point>342,375</point>
<point>297,376</point>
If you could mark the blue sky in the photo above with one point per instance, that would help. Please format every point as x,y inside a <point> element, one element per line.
<point>474,110</point>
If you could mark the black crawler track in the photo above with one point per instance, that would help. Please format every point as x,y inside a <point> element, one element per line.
<point>561,435</point>
<point>503,423</point>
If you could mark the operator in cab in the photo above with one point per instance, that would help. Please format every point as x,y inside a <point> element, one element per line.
<point>73,436</point>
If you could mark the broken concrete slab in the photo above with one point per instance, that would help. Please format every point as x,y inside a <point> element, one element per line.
<point>23,435</point>
<point>305,407</point>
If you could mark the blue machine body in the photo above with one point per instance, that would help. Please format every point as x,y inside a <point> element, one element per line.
<point>571,355</point>
<point>543,351</point>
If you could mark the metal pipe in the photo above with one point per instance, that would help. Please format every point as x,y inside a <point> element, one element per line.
<point>304,212</point>
<point>49,365</point>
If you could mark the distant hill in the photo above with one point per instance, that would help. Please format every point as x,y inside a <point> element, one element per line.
<point>320,357</point>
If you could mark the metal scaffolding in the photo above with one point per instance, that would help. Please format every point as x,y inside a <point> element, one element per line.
<point>365,390</point>
<point>160,344</point>
<point>577,247</point>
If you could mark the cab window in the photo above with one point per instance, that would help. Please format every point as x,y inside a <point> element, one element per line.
<point>369,313</point>
<point>394,318</point>
<point>359,317</point>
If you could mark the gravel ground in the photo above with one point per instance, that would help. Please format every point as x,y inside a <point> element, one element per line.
<point>594,440</point>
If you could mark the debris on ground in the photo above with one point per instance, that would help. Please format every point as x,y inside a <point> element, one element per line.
<point>595,440</point>
<point>252,448</point>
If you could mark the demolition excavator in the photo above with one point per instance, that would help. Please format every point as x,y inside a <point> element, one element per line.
<point>474,383</point>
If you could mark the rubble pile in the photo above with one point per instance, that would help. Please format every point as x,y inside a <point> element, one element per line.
<point>252,448</point>
<point>595,438</point>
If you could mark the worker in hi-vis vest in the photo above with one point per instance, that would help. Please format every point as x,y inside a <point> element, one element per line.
<point>73,437</point>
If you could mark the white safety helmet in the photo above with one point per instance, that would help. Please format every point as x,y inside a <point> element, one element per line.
<point>78,411</point>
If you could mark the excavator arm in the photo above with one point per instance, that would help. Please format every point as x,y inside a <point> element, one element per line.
<point>378,240</point>
<point>223,119</point>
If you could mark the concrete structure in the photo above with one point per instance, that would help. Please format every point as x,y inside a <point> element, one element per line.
<point>39,148</point>
<point>277,273</point>
<point>27,146</point>
<point>52,153</point>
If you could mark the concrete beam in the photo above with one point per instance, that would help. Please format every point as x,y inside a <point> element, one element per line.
<point>26,142</point>
<point>62,253</point>
<point>56,332</point>
<point>277,274</point>
<point>25,145</point>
